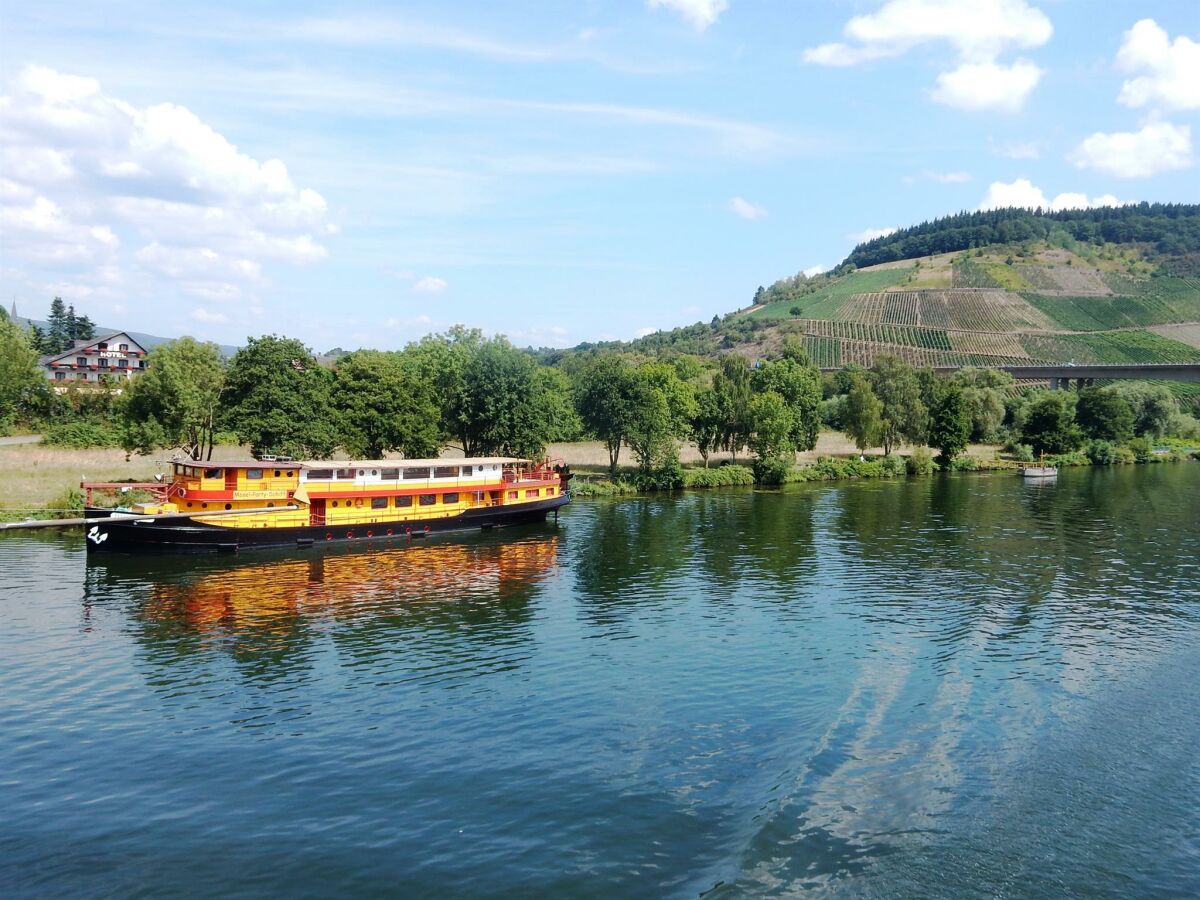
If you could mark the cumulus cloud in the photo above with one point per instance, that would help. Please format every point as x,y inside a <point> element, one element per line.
<point>979,32</point>
<point>869,234</point>
<point>948,177</point>
<point>815,270</point>
<point>745,209</point>
<point>1025,194</point>
<point>90,178</point>
<point>988,86</point>
<point>1172,68</point>
<point>1157,147</point>
<point>430,284</point>
<point>697,13</point>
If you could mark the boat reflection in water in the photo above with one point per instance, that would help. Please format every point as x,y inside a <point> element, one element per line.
<point>274,613</point>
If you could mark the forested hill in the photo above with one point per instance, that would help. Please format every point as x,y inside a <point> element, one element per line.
<point>1170,230</point>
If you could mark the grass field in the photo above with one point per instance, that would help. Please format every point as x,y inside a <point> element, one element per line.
<point>33,479</point>
<point>1175,303</point>
<point>824,303</point>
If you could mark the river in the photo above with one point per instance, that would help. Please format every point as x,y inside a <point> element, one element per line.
<point>962,686</point>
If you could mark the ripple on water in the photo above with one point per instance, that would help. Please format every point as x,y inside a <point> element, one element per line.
<point>954,686</point>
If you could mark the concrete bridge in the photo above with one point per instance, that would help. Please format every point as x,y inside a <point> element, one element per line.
<point>1060,375</point>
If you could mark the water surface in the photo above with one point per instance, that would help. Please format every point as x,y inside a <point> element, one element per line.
<point>960,686</point>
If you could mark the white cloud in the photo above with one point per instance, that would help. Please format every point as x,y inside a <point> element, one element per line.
<point>1173,67</point>
<point>948,177</point>
<point>430,284</point>
<point>815,270</point>
<point>1157,147</point>
<point>978,32</point>
<point>745,209</point>
<point>643,332</point>
<point>698,13</point>
<point>200,314</point>
<point>87,174</point>
<point>989,85</point>
<point>1025,194</point>
<point>869,234</point>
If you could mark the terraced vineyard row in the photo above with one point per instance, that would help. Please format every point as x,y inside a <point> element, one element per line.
<point>831,352</point>
<point>1120,311</point>
<point>925,338</point>
<point>1111,347</point>
<point>966,310</point>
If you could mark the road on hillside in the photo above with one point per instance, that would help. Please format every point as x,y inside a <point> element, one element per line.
<point>21,439</point>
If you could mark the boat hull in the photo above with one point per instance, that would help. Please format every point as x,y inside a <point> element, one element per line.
<point>187,536</point>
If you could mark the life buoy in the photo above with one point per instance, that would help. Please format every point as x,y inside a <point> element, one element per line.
<point>427,529</point>
<point>370,534</point>
<point>329,537</point>
<point>350,534</point>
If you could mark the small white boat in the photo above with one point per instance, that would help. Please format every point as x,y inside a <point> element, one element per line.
<point>1039,471</point>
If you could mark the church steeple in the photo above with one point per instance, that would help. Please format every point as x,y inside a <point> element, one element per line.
<point>14,309</point>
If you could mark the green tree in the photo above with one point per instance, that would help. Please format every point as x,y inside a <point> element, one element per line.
<point>798,382</point>
<point>278,399</point>
<point>1103,415</point>
<point>862,414</point>
<point>58,337</point>
<point>442,360</point>
<point>173,404</point>
<point>903,416</point>
<point>987,412</point>
<point>1152,406</point>
<point>502,411</point>
<point>385,403</point>
<point>552,387</point>
<point>605,398</point>
<point>774,425</point>
<point>21,381</point>
<point>950,423</point>
<point>706,426</point>
<point>1047,423</point>
<point>661,413</point>
<point>732,387</point>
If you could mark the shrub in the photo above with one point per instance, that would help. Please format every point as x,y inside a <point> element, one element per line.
<point>920,461</point>
<point>1103,453</point>
<point>1181,425</point>
<point>1143,450</point>
<point>892,466</point>
<point>1021,452</point>
<point>1125,456</point>
<point>601,488</point>
<point>666,477</point>
<point>720,476</point>
<point>963,464</point>
<point>772,470</point>
<point>1073,458</point>
<point>66,505</point>
<point>82,434</point>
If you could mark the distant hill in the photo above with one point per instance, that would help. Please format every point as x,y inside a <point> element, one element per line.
<point>1104,285</point>
<point>1167,232</point>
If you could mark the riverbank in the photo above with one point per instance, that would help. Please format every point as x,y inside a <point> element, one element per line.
<point>36,479</point>
<point>897,465</point>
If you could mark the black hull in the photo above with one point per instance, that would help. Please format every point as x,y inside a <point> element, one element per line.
<point>186,536</point>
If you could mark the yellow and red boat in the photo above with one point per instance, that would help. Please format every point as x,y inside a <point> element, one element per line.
<point>294,503</point>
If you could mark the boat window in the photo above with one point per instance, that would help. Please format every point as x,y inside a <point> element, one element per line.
<point>214,473</point>
<point>445,472</point>
<point>411,474</point>
<point>478,496</point>
<point>403,501</point>
<point>276,473</point>
<point>512,495</point>
<point>229,506</point>
<point>389,474</point>
<point>346,473</point>
<point>379,503</point>
<point>335,503</point>
<point>254,474</point>
<point>428,499</point>
<point>319,474</point>
<point>291,474</point>
<point>362,472</point>
<point>532,492</point>
<point>449,498</point>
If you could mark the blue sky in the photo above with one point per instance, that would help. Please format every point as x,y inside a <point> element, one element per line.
<point>360,175</point>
